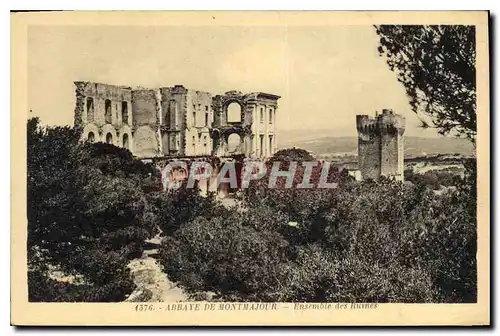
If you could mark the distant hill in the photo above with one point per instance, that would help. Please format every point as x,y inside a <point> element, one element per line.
<point>321,144</point>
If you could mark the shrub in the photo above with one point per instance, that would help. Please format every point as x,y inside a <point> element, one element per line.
<point>44,289</point>
<point>364,242</point>
<point>292,154</point>
<point>434,179</point>
<point>177,207</point>
<point>91,206</point>
<point>88,214</point>
<point>226,257</point>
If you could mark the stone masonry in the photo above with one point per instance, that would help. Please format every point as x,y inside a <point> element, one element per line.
<point>380,145</point>
<point>175,121</point>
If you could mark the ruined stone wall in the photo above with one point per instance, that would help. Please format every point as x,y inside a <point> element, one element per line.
<point>144,111</point>
<point>198,142</point>
<point>253,125</point>
<point>166,118</point>
<point>199,103</point>
<point>145,144</point>
<point>230,120</point>
<point>144,107</point>
<point>199,116</point>
<point>79,105</point>
<point>173,121</point>
<point>264,125</point>
<point>91,116</point>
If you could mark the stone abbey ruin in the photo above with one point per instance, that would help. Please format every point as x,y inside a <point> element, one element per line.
<point>176,123</point>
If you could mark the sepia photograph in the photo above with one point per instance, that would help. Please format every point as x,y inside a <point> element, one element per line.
<point>239,163</point>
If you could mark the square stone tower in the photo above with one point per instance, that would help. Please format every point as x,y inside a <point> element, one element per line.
<point>381,145</point>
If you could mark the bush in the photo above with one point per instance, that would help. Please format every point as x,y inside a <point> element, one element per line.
<point>365,242</point>
<point>91,207</point>
<point>434,179</point>
<point>44,289</point>
<point>292,154</point>
<point>226,257</point>
<point>177,207</point>
<point>88,214</point>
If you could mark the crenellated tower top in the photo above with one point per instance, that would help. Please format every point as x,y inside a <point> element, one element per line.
<point>386,122</point>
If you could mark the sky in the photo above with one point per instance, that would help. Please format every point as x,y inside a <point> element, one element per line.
<point>325,75</point>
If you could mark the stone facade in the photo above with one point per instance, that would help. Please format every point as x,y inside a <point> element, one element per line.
<point>186,120</point>
<point>175,121</point>
<point>381,145</point>
<point>104,113</point>
<point>251,118</point>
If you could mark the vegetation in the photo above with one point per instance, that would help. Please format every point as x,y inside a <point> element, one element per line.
<point>174,208</point>
<point>88,215</point>
<point>434,179</point>
<point>362,242</point>
<point>292,154</point>
<point>91,206</point>
<point>437,66</point>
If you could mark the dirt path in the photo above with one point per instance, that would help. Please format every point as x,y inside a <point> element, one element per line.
<point>152,283</point>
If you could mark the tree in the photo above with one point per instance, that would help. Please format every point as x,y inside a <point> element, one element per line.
<point>89,213</point>
<point>292,154</point>
<point>177,207</point>
<point>53,189</point>
<point>437,66</point>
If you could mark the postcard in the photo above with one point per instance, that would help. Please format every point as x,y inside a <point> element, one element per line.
<point>273,168</point>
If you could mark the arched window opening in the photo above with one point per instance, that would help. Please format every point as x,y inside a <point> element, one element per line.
<point>234,113</point>
<point>233,143</point>
<point>91,137</point>
<point>124,112</point>
<point>90,110</point>
<point>109,139</point>
<point>107,109</point>
<point>125,141</point>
